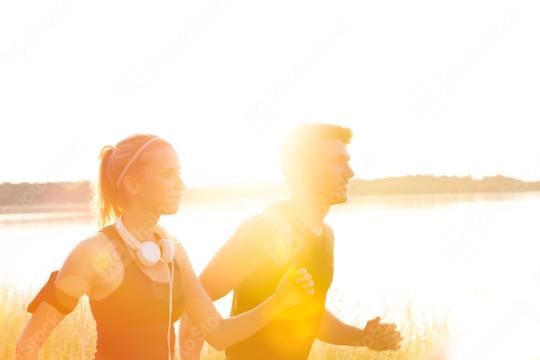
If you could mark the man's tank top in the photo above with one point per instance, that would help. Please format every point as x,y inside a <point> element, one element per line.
<point>131,322</point>
<point>291,335</point>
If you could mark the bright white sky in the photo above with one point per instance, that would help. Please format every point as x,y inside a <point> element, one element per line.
<point>428,87</point>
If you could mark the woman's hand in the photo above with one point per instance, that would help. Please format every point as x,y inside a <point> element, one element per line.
<point>294,287</point>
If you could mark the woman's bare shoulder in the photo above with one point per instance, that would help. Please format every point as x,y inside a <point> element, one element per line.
<point>94,245</point>
<point>91,259</point>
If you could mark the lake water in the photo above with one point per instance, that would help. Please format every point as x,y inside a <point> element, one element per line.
<point>470,260</point>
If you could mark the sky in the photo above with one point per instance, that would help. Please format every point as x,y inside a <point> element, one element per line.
<point>428,87</point>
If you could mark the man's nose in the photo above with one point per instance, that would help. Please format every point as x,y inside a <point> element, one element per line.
<point>180,185</point>
<point>349,172</point>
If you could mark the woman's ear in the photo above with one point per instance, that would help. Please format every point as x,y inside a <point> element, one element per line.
<point>130,185</point>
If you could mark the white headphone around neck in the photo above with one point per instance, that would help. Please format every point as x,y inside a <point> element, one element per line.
<point>148,252</point>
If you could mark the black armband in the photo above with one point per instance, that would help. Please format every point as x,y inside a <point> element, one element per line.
<point>49,293</point>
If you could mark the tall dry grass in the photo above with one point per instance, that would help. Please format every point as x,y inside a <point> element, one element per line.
<point>75,337</point>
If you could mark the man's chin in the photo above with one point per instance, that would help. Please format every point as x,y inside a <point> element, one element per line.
<point>169,210</point>
<point>339,198</point>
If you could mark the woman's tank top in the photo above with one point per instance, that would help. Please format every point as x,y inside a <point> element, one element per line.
<point>132,321</point>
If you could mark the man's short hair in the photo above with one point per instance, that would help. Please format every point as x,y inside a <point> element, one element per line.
<point>301,144</point>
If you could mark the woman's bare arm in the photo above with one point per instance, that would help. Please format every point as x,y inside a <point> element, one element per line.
<point>222,333</point>
<point>258,239</point>
<point>42,322</point>
<point>73,280</point>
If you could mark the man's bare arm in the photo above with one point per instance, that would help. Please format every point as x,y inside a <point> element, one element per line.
<point>238,258</point>
<point>376,336</point>
<point>334,331</point>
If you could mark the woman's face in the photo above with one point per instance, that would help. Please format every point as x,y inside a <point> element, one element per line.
<point>158,186</point>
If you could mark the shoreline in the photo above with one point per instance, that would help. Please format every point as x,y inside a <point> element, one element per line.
<point>85,210</point>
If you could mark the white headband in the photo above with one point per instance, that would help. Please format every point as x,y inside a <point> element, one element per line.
<point>133,158</point>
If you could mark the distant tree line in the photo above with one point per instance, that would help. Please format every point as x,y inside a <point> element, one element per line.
<point>17,197</point>
<point>14,197</point>
<point>428,184</point>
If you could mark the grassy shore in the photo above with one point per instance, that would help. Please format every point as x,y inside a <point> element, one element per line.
<point>76,339</point>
